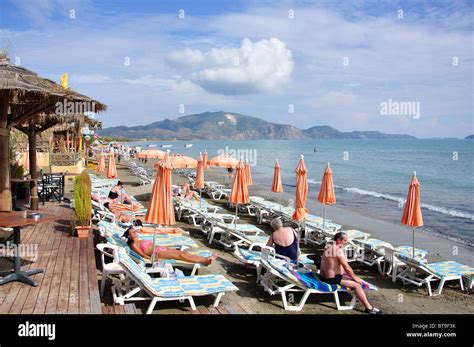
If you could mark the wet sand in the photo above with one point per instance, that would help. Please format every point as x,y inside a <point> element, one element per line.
<point>393,298</point>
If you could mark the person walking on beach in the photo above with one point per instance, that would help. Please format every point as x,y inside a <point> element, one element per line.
<point>336,270</point>
<point>145,249</point>
<point>284,239</point>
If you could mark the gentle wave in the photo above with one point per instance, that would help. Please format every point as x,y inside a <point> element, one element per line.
<point>401,201</point>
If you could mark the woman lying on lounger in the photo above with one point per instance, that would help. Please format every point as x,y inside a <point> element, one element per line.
<point>187,193</point>
<point>145,249</point>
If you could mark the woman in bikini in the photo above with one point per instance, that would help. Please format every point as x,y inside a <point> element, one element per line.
<point>145,249</point>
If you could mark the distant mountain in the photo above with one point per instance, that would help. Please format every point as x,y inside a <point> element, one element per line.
<point>233,126</point>
<point>327,132</point>
<point>470,137</point>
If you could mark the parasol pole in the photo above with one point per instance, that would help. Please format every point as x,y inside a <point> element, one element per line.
<point>235,222</point>
<point>324,216</point>
<point>154,245</point>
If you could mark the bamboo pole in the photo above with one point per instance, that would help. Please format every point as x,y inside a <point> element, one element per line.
<point>33,167</point>
<point>5,189</point>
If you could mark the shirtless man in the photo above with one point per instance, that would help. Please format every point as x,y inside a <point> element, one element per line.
<point>333,267</point>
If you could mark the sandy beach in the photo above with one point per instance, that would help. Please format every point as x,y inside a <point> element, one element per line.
<point>393,298</point>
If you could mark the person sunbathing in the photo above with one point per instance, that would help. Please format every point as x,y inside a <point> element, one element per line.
<point>117,194</point>
<point>336,270</point>
<point>187,193</point>
<point>119,214</point>
<point>145,249</point>
<point>140,228</point>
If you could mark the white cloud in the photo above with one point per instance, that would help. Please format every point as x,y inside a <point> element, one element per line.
<point>262,66</point>
<point>188,57</point>
<point>408,59</point>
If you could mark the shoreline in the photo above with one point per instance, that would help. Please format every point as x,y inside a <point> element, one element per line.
<point>415,300</point>
<point>439,247</point>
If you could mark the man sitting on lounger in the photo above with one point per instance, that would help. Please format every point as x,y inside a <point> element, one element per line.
<point>336,270</point>
<point>145,249</point>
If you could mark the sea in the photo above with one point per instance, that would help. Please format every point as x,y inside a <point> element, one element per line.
<point>371,177</point>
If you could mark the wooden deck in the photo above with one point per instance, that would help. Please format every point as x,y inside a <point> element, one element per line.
<point>221,309</point>
<point>69,283</point>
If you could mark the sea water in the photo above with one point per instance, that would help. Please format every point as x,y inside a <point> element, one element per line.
<point>370,176</point>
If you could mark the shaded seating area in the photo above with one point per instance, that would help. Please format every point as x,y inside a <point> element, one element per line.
<point>51,187</point>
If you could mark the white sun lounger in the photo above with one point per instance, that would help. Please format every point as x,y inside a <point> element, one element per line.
<point>252,257</point>
<point>235,235</point>
<point>282,278</point>
<point>420,273</point>
<point>139,286</point>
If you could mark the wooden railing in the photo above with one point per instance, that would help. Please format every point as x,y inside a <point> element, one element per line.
<point>65,159</point>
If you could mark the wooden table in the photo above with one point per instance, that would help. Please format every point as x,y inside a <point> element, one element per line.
<point>15,220</point>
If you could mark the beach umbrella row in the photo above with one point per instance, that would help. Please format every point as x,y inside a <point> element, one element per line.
<point>276,184</point>
<point>412,215</point>
<point>160,209</point>
<point>248,174</point>
<point>301,191</point>
<point>151,154</point>
<point>412,211</point>
<point>326,192</point>
<point>199,184</point>
<point>101,165</point>
<point>225,161</point>
<point>205,160</point>
<point>111,169</point>
<point>239,193</point>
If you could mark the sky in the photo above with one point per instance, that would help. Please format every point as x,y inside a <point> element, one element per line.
<point>303,63</point>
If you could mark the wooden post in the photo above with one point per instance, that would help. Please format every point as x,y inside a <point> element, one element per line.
<point>33,167</point>
<point>5,191</point>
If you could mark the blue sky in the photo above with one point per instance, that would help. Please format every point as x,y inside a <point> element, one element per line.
<point>331,63</point>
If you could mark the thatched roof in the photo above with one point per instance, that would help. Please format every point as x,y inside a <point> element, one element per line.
<point>30,92</point>
<point>44,122</point>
